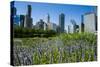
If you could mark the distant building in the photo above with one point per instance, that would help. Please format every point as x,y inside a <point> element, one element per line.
<point>58,29</point>
<point>73,28</point>
<point>48,18</point>
<point>61,22</point>
<point>77,29</point>
<point>48,22</point>
<point>22,18</point>
<point>69,27</point>
<point>41,25</point>
<point>28,19</point>
<point>48,26</point>
<point>16,20</point>
<point>29,10</point>
<point>45,26</point>
<point>53,26</point>
<point>90,22</point>
<point>28,22</point>
<point>82,27</point>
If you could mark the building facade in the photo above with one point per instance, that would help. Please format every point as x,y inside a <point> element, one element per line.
<point>90,22</point>
<point>61,22</point>
<point>41,25</point>
<point>22,18</point>
<point>53,26</point>
<point>48,22</point>
<point>28,19</point>
<point>74,28</point>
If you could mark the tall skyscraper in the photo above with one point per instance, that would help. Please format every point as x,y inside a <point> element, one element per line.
<point>90,22</point>
<point>50,25</point>
<point>82,24</point>
<point>29,10</point>
<point>48,18</point>
<point>61,22</point>
<point>48,22</point>
<point>28,19</point>
<point>82,27</point>
<point>22,18</point>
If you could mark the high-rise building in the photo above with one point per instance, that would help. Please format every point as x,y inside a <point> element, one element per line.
<point>29,10</point>
<point>45,26</point>
<point>74,28</point>
<point>90,22</point>
<point>53,26</point>
<point>61,22</point>
<point>41,25</point>
<point>28,19</point>
<point>16,20</point>
<point>82,25</point>
<point>48,18</point>
<point>28,22</point>
<point>69,29</point>
<point>22,18</point>
<point>48,22</point>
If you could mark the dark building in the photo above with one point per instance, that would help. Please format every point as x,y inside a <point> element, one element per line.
<point>58,29</point>
<point>40,24</point>
<point>28,19</point>
<point>82,27</point>
<point>61,22</point>
<point>77,28</point>
<point>82,24</point>
<point>22,18</point>
<point>16,20</point>
<point>29,10</point>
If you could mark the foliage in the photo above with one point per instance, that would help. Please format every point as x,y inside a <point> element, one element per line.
<point>64,48</point>
<point>20,32</point>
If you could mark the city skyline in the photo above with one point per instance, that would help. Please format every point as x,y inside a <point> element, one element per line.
<point>41,11</point>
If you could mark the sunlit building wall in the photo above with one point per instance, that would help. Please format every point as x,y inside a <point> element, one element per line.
<point>90,22</point>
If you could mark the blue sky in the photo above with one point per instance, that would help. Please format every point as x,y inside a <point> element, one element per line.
<point>41,10</point>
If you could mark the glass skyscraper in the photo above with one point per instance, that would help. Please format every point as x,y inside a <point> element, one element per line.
<point>61,22</point>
